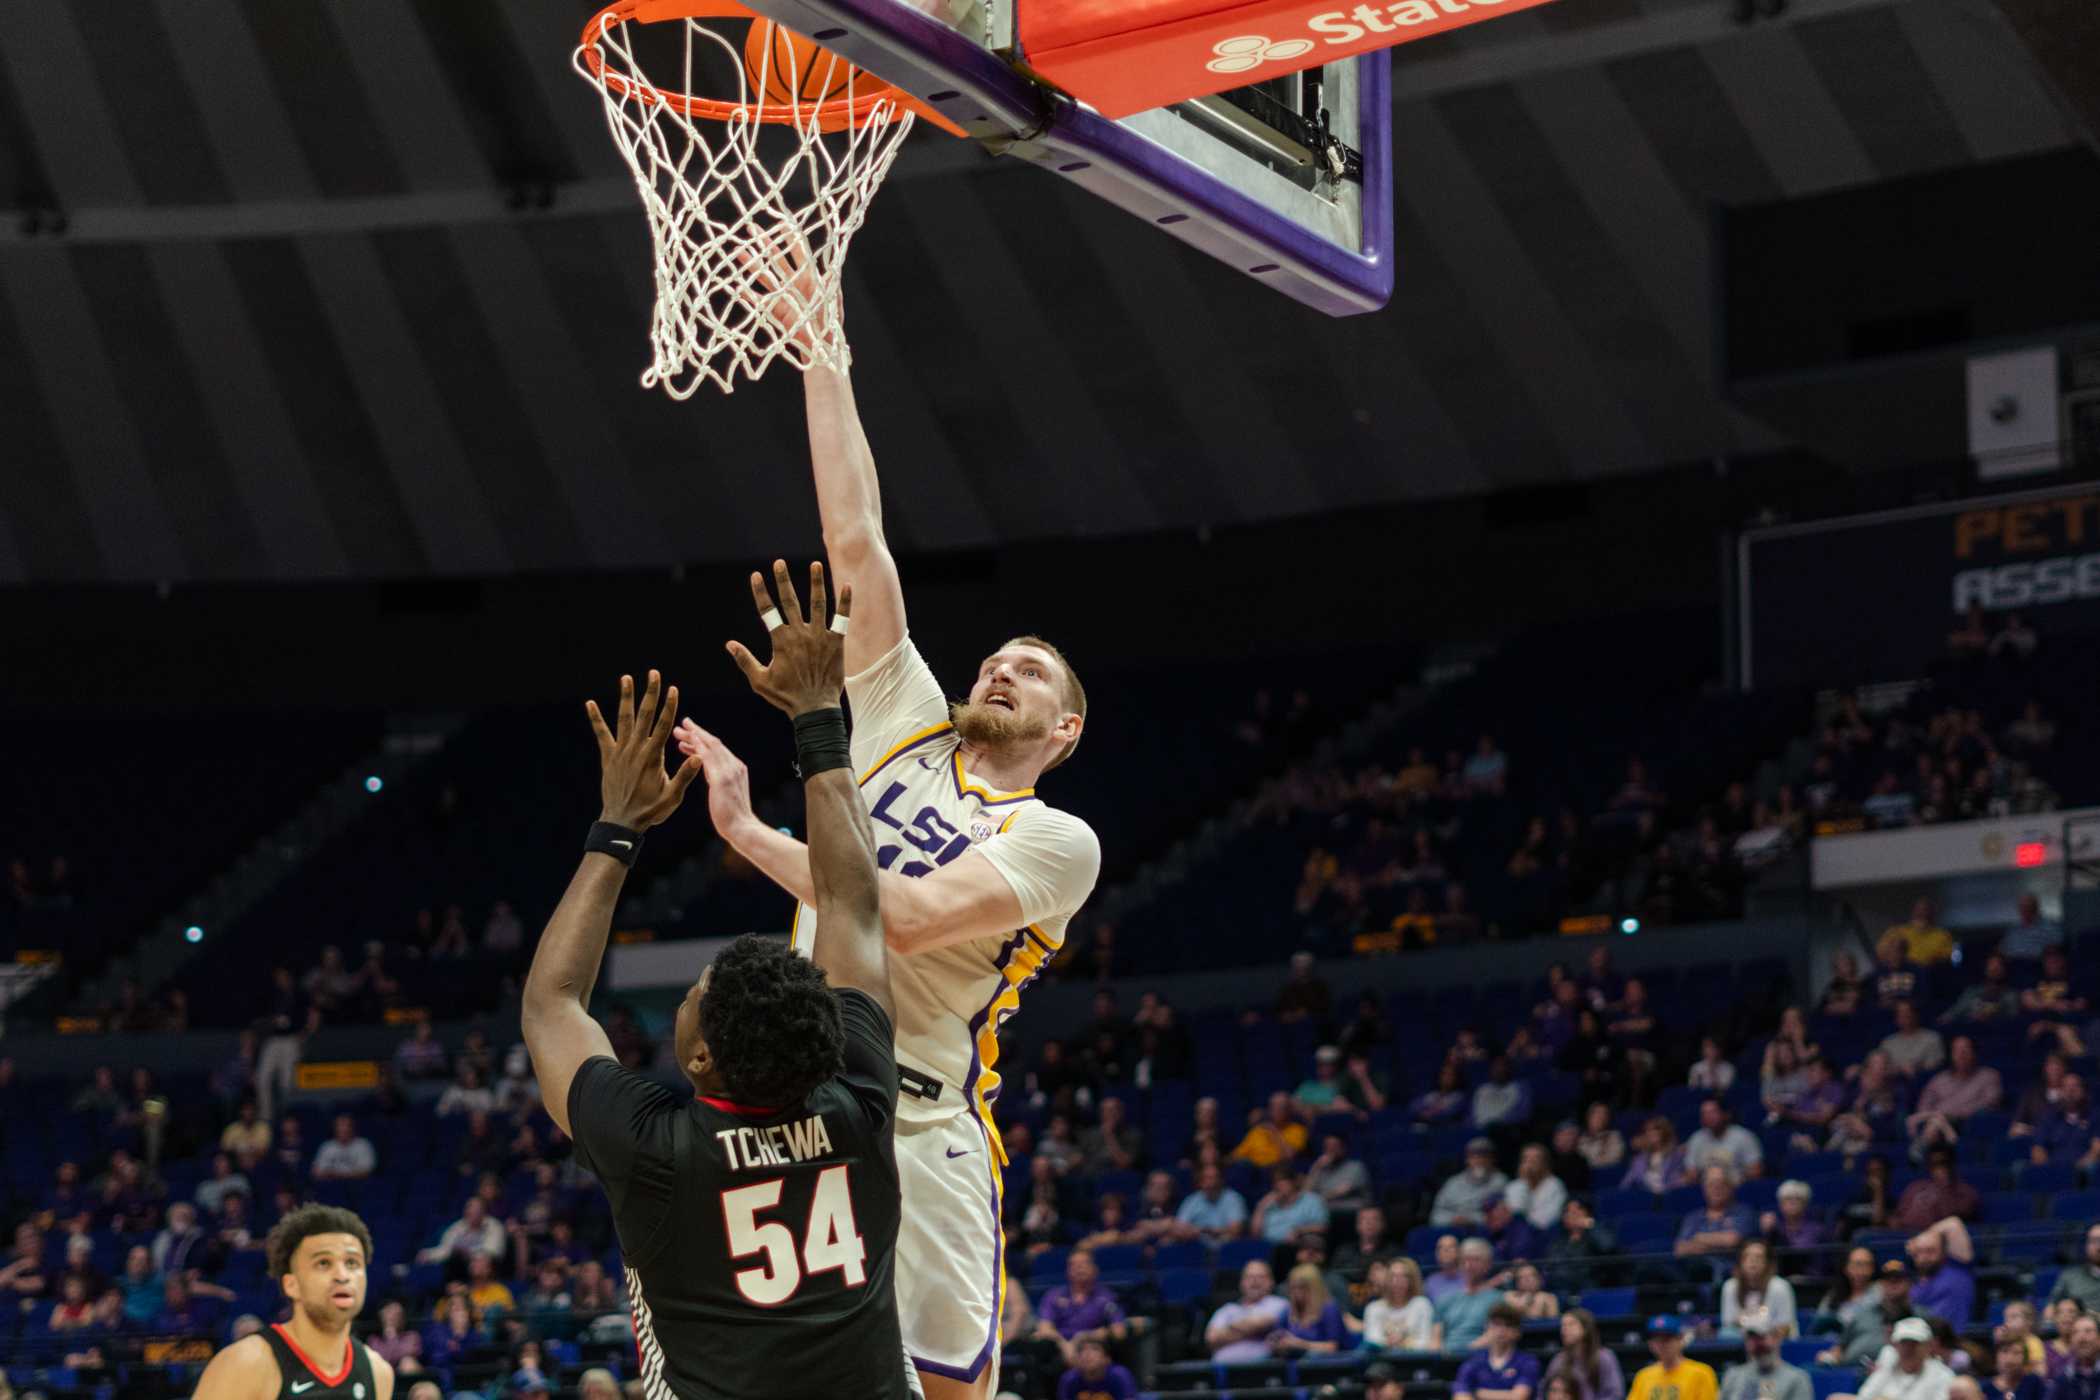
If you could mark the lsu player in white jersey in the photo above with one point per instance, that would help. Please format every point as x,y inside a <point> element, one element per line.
<point>980,878</point>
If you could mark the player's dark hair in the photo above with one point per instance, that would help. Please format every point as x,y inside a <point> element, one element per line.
<point>771,1023</point>
<point>299,1225</point>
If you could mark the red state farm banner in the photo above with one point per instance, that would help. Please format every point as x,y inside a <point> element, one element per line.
<point>1125,56</point>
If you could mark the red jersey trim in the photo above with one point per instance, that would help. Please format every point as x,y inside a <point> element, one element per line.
<point>743,1109</point>
<point>349,1356</point>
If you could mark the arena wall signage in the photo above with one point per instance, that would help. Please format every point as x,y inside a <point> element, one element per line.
<point>1957,848</point>
<point>1805,592</point>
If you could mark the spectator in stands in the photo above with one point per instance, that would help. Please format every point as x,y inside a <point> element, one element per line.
<point>1631,1029</point>
<point>1940,1193</point>
<point>1925,943</point>
<point>2051,998</point>
<point>1564,1156</point>
<point>517,1092</point>
<point>1816,1101</point>
<point>1722,1223</point>
<point>1589,1367</point>
<point>1450,1274</point>
<point>1509,1233</point>
<point>396,1344</point>
<point>247,1137</point>
<point>346,1156</point>
<point>1240,1330</point>
<point>1712,1072</point>
<point>1501,1101</point>
<point>1059,1147</point>
<point>1497,1370</point>
<point>1894,978</point>
<point>1945,1285</point>
<point>1213,1212</point>
<point>1464,1196</point>
<point>452,1338</point>
<point>489,1296</point>
<point>1659,1163</point>
<point>1581,1239</point>
<point>1913,1049</point>
<point>1992,999</point>
<point>2014,1376</point>
<point>1312,1322</point>
<point>1854,1289</point>
<point>330,985</point>
<point>74,1311</point>
<point>1338,1179</point>
<point>80,1264</point>
<point>1274,1137</point>
<point>505,931</point>
<point>1672,1377</point>
<point>1093,1375</point>
<point>232,1222</point>
<point>1721,1141</point>
<point>1762,1374</point>
<point>1154,1217</point>
<point>182,1244</point>
<point>23,1276</point>
<point>1911,1371</point>
<point>2020,1325</point>
<point>1382,1382</point>
<point>224,1178</point>
<point>466,1094</point>
<point>1862,1337</point>
<point>1954,1095</point>
<point>1529,1295</point>
<point>1112,1145</point>
<point>141,1285</point>
<point>1791,1226</point>
<point>1447,1102</point>
<point>2063,1313</point>
<point>1303,996</point>
<point>1463,1314</point>
<point>475,1232</point>
<point>1326,1091</point>
<point>422,1055</point>
<point>1487,770</point>
<point>1288,1211</point>
<point>1847,989</point>
<point>1890,804</point>
<point>1369,1243</point>
<point>1082,1308</point>
<point>2031,935</point>
<point>2081,1282</point>
<point>1757,1290</point>
<point>2066,1133</point>
<point>188,1306</point>
<point>593,1290</point>
<point>1537,1196</point>
<point>1401,1317</point>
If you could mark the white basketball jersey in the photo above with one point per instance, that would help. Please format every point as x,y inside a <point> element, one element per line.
<point>928,810</point>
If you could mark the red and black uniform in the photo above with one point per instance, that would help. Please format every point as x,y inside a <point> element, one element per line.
<point>759,1241</point>
<point>303,1378</point>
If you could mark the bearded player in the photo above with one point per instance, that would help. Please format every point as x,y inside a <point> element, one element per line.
<point>980,878</point>
<point>319,1255</point>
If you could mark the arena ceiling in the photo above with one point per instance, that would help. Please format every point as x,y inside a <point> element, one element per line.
<point>293,329</point>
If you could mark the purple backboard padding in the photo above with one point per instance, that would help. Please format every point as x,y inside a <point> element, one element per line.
<point>990,100</point>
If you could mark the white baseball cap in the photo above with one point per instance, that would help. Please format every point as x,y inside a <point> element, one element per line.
<point>1912,1329</point>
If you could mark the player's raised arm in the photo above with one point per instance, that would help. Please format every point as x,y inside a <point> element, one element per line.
<point>637,793</point>
<point>849,503</point>
<point>803,680</point>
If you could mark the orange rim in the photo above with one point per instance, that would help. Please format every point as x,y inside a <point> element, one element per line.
<point>870,91</point>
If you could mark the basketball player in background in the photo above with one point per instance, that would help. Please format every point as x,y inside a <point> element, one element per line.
<point>757,1213</point>
<point>319,1255</point>
<point>980,878</point>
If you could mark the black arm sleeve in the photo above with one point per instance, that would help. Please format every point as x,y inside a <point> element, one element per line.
<point>624,1127</point>
<point>871,1047</point>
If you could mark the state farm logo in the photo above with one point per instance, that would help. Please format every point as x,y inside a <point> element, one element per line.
<point>1252,50</point>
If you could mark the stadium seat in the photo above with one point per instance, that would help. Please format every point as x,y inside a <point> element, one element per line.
<point>1234,1255</point>
<point>2074,1205</point>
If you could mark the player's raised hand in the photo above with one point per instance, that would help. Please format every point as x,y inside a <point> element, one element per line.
<point>808,666</point>
<point>636,790</point>
<point>785,286</point>
<point>728,781</point>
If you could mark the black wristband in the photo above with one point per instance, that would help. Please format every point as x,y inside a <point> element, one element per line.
<point>622,843</point>
<point>820,742</point>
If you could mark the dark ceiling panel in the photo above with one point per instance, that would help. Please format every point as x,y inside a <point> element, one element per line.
<point>135,70</point>
<point>40,496</point>
<point>326,105</point>
<point>1694,128</point>
<point>1884,91</point>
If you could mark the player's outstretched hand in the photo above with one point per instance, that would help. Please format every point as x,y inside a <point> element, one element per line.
<point>728,781</point>
<point>636,790</point>
<point>808,666</point>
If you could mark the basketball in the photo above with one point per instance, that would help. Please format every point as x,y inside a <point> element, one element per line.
<point>789,69</point>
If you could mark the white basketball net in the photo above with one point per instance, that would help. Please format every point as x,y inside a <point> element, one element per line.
<point>750,250</point>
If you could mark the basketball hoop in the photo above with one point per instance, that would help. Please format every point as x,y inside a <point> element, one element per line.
<point>750,247</point>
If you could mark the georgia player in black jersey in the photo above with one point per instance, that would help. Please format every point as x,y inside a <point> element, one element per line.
<point>319,1254</point>
<point>757,1213</point>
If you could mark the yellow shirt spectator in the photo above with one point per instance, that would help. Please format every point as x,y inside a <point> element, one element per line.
<point>1687,1380</point>
<point>1266,1144</point>
<point>1925,944</point>
<point>491,1293</point>
<point>245,1141</point>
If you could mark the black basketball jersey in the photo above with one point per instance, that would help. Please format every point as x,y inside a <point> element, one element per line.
<point>302,1377</point>
<point>758,1241</point>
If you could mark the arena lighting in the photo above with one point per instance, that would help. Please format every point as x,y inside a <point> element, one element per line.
<point>373,783</point>
<point>1629,925</point>
<point>194,934</point>
<point>2028,854</point>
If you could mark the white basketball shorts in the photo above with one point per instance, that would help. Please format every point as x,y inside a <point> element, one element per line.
<point>950,1248</point>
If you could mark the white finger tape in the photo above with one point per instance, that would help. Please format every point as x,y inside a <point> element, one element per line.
<point>838,624</point>
<point>771,617</point>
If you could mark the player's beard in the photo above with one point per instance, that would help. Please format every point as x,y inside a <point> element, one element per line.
<point>990,729</point>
